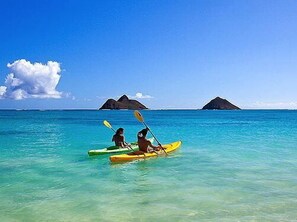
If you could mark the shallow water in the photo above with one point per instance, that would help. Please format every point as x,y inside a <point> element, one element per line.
<point>232,166</point>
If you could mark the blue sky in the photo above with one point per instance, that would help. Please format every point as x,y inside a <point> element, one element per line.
<point>181,53</point>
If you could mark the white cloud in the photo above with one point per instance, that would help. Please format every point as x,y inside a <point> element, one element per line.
<point>275,105</point>
<point>28,80</point>
<point>104,97</point>
<point>2,91</point>
<point>139,95</point>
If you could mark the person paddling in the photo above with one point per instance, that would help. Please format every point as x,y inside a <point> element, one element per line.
<point>145,145</point>
<point>119,139</point>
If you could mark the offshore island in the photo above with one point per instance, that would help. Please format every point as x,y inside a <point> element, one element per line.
<point>220,104</point>
<point>124,102</point>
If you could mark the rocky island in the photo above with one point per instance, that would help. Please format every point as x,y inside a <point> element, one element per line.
<point>123,103</point>
<point>221,104</point>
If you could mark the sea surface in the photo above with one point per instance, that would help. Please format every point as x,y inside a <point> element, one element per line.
<point>232,166</point>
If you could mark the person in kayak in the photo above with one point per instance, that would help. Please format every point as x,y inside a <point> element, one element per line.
<point>119,139</point>
<point>145,145</point>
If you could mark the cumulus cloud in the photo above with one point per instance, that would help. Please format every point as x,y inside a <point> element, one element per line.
<point>28,80</point>
<point>139,95</point>
<point>2,91</point>
<point>274,105</point>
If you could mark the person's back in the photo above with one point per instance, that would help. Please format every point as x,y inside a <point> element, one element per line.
<point>144,144</point>
<point>118,138</point>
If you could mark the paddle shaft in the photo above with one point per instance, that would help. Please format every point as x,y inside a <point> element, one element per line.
<point>154,137</point>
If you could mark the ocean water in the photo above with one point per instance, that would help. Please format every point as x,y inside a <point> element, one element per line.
<point>232,166</point>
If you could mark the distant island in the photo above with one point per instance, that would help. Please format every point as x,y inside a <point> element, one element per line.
<point>221,104</point>
<point>123,103</point>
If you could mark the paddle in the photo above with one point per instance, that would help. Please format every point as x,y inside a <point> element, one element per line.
<point>140,118</point>
<point>108,125</point>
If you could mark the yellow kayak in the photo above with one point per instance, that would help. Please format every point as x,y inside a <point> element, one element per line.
<point>130,156</point>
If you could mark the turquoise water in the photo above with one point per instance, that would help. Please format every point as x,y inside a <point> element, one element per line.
<point>232,166</point>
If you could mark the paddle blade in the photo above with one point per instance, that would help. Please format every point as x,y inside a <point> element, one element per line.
<point>138,116</point>
<point>107,124</point>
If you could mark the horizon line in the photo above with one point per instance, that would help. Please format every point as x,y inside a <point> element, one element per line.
<point>96,109</point>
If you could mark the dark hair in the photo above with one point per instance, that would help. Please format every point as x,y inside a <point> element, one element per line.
<point>142,133</point>
<point>118,132</point>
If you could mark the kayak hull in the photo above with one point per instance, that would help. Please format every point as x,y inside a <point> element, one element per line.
<point>128,157</point>
<point>116,149</point>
